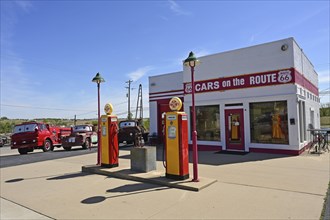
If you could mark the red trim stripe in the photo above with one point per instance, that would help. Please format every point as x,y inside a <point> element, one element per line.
<point>170,91</point>
<point>304,82</point>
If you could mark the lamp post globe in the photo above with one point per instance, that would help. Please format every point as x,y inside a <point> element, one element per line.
<point>191,62</point>
<point>98,79</point>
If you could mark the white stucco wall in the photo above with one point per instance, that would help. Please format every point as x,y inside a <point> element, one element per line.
<point>303,64</point>
<point>255,59</point>
<point>153,117</point>
<point>166,82</point>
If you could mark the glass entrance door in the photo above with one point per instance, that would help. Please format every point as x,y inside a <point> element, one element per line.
<point>234,122</point>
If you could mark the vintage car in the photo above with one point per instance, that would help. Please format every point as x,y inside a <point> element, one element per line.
<point>37,135</point>
<point>131,132</point>
<point>4,140</point>
<point>81,135</point>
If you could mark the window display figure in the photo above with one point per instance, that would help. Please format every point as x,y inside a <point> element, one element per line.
<point>234,129</point>
<point>276,127</point>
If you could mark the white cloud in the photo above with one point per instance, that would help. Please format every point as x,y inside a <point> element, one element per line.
<point>139,73</point>
<point>324,76</point>
<point>324,85</point>
<point>25,5</point>
<point>302,20</point>
<point>175,7</point>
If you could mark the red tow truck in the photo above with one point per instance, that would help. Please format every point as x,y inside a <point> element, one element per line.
<point>37,135</point>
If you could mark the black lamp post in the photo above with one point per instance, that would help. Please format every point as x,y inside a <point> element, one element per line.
<point>98,79</point>
<point>192,61</point>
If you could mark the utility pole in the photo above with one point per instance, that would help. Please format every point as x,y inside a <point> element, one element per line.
<point>139,104</point>
<point>75,120</point>
<point>129,116</point>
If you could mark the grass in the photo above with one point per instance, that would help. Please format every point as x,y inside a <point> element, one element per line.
<point>325,121</point>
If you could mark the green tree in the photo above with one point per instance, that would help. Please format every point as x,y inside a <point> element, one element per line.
<point>325,110</point>
<point>146,123</point>
<point>6,127</point>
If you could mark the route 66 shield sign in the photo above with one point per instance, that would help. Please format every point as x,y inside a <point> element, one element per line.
<point>284,76</point>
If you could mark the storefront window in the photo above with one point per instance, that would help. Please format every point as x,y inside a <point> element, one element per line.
<point>207,123</point>
<point>269,122</point>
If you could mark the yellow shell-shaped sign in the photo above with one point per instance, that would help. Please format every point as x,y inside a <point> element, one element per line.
<point>108,108</point>
<point>175,104</point>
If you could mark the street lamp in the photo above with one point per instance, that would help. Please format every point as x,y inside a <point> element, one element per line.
<point>192,61</point>
<point>98,79</point>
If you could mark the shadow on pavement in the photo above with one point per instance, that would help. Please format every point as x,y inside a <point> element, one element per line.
<point>50,177</point>
<point>93,200</point>
<point>214,158</point>
<point>135,187</point>
<point>222,158</point>
<point>126,190</point>
<point>69,176</point>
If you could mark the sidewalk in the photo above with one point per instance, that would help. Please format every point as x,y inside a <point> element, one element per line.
<point>251,186</point>
<point>11,210</point>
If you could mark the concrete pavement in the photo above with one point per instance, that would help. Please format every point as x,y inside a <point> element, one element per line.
<point>252,186</point>
<point>11,210</point>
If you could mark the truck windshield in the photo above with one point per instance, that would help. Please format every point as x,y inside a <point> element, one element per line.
<point>126,124</point>
<point>82,128</point>
<point>25,128</point>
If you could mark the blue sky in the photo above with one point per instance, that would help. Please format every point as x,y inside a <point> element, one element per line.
<point>51,50</point>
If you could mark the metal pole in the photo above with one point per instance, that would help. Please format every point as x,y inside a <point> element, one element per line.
<point>194,134</point>
<point>98,126</point>
<point>129,99</point>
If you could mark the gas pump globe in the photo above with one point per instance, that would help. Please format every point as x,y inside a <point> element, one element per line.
<point>176,142</point>
<point>108,108</point>
<point>109,138</point>
<point>175,104</point>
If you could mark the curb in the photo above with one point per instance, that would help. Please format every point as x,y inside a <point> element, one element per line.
<point>154,177</point>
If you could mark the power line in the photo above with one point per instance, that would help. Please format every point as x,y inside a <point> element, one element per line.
<point>86,113</point>
<point>46,108</point>
<point>56,109</point>
<point>324,92</point>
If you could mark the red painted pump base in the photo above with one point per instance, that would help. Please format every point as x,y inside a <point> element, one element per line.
<point>109,165</point>
<point>177,177</point>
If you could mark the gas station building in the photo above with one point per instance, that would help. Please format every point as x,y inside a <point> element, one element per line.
<point>261,98</point>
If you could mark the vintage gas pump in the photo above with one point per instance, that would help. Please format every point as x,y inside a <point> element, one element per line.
<point>109,138</point>
<point>176,142</point>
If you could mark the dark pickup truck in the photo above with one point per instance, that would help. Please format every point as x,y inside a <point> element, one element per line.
<point>131,131</point>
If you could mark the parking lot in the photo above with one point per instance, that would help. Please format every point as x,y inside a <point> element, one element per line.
<point>251,186</point>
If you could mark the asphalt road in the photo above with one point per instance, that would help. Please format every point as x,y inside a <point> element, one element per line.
<point>12,157</point>
<point>9,157</point>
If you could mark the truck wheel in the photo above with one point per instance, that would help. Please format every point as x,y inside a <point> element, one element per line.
<point>47,146</point>
<point>87,144</point>
<point>22,150</point>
